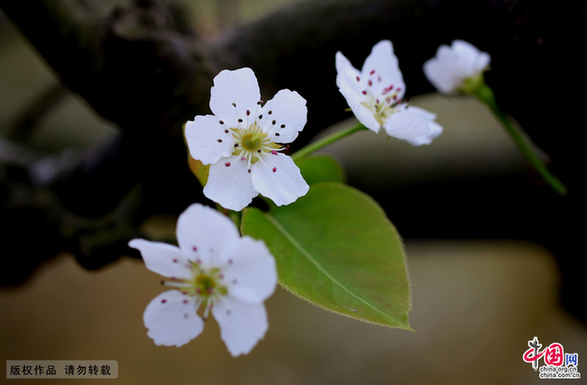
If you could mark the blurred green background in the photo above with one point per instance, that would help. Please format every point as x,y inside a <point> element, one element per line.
<point>476,303</point>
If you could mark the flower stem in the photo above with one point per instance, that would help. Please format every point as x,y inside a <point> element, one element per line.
<point>312,147</point>
<point>485,94</point>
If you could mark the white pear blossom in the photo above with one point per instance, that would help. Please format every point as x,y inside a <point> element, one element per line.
<point>453,65</point>
<point>213,268</point>
<point>242,142</point>
<point>375,95</point>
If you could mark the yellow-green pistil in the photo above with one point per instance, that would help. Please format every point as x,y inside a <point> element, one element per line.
<point>252,143</point>
<point>383,105</point>
<point>205,284</point>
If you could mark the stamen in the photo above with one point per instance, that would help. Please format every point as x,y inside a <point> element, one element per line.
<point>274,169</point>
<point>227,164</point>
<point>372,72</point>
<point>221,121</point>
<point>234,104</point>
<point>219,140</point>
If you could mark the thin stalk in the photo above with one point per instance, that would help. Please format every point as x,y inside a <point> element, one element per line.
<point>485,94</point>
<point>313,147</point>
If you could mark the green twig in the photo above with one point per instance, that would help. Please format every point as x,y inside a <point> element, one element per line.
<point>313,147</point>
<point>485,94</point>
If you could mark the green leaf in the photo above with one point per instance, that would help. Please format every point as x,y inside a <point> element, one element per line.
<point>321,168</point>
<point>335,248</point>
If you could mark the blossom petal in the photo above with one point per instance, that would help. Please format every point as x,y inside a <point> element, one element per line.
<point>161,258</point>
<point>363,114</point>
<point>470,60</point>
<point>241,325</point>
<point>404,125</point>
<point>208,139</point>
<point>229,184</point>
<point>288,110</point>
<point>278,178</point>
<point>251,276</point>
<point>435,128</point>
<point>440,71</point>
<point>347,76</point>
<point>172,319</point>
<point>203,233</point>
<point>239,87</point>
<point>435,131</point>
<point>382,68</point>
<point>350,84</point>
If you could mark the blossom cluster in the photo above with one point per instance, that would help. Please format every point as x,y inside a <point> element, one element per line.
<point>214,270</point>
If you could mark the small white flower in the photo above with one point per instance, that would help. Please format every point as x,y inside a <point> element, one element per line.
<point>242,140</point>
<point>213,268</point>
<point>375,96</point>
<point>451,66</point>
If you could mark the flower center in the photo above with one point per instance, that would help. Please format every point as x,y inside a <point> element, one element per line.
<point>382,101</point>
<point>206,285</point>
<point>252,143</point>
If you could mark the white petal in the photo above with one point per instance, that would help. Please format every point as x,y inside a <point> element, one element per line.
<point>347,75</point>
<point>288,109</point>
<point>469,58</point>
<point>172,319</point>
<point>441,73</point>
<point>382,68</point>
<point>230,186</point>
<point>241,325</point>
<point>251,276</point>
<point>403,125</point>
<point>421,113</point>
<point>278,178</point>
<point>435,131</point>
<point>239,87</point>
<point>203,233</point>
<point>207,139</point>
<point>363,114</point>
<point>161,258</point>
